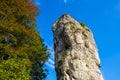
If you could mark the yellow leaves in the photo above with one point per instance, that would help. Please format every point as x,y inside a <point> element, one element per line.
<point>28,63</point>
<point>2,13</point>
<point>14,69</point>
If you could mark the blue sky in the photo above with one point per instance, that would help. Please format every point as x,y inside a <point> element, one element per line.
<point>101,16</point>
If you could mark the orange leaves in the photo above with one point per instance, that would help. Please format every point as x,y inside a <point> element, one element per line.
<point>21,11</point>
<point>17,22</point>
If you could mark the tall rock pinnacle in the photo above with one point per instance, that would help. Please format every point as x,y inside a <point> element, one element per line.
<point>76,54</point>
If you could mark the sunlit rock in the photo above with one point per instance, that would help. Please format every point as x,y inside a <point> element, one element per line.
<point>76,54</point>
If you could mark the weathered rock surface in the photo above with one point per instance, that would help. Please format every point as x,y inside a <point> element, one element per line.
<point>76,54</point>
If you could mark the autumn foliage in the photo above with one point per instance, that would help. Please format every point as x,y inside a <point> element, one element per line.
<point>22,53</point>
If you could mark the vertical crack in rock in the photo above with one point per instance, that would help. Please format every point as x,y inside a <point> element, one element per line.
<point>76,54</point>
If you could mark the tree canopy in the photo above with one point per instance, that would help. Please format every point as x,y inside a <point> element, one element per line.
<point>22,52</point>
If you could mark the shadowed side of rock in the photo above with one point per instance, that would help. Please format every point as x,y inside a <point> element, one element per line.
<point>76,54</point>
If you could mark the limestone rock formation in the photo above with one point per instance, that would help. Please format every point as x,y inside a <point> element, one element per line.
<point>76,54</point>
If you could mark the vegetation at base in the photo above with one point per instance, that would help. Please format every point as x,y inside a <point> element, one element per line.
<point>22,52</point>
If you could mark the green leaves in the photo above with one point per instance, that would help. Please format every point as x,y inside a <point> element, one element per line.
<point>14,69</point>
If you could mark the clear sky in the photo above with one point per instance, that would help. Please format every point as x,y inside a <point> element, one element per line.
<point>101,16</point>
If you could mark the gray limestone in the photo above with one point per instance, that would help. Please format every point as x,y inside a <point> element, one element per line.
<point>76,54</point>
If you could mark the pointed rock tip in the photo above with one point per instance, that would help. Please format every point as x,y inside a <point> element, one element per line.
<point>65,18</point>
<point>66,15</point>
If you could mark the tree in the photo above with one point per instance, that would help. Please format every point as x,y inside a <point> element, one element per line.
<point>22,52</point>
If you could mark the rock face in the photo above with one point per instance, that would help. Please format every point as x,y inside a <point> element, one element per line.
<point>76,54</point>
